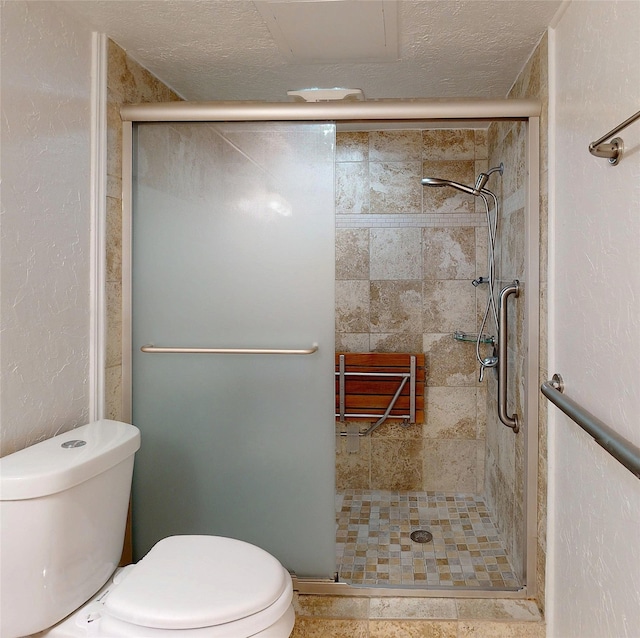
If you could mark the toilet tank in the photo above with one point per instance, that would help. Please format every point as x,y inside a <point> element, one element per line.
<point>63,512</point>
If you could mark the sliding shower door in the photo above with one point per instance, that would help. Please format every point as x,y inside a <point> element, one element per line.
<point>233,248</point>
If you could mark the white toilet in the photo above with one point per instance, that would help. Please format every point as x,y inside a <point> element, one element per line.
<point>63,509</point>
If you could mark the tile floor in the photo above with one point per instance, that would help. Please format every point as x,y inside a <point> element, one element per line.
<point>373,544</point>
<point>363,617</point>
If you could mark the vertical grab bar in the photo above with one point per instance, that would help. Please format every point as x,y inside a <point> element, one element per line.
<point>503,334</point>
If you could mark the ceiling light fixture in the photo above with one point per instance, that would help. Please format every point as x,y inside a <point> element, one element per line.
<point>327,95</point>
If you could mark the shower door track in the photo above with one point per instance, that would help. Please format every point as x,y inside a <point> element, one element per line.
<point>413,110</point>
<point>328,587</point>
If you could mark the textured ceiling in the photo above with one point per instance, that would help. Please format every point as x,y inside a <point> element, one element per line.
<point>224,49</point>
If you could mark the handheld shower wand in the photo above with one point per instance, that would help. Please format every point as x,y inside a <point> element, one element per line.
<point>483,178</point>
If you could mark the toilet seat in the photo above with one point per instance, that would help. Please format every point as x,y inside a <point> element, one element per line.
<point>208,585</point>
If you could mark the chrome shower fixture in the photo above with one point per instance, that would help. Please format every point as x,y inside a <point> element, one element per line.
<point>483,178</point>
<point>436,181</point>
<point>477,190</point>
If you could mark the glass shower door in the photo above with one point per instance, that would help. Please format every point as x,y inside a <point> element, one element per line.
<point>233,247</point>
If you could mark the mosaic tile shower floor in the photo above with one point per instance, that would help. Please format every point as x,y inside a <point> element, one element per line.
<point>373,544</point>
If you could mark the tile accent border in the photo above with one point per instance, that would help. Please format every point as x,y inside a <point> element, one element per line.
<point>444,220</point>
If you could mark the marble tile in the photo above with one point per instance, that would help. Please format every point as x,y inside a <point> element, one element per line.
<point>482,252</point>
<point>113,393</point>
<point>450,413</point>
<point>114,136</point>
<point>353,342</point>
<point>449,362</point>
<point>480,468</point>
<point>395,146</point>
<point>331,606</point>
<point>444,199</point>
<point>352,253</point>
<point>480,140</point>
<point>497,609</point>
<point>412,629</point>
<point>511,238</point>
<point>352,469</point>
<point>448,144</point>
<point>396,342</point>
<point>395,430</point>
<point>449,305</point>
<point>114,324</point>
<point>544,226</point>
<point>352,187</point>
<point>114,240</point>
<point>481,412</point>
<point>315,627</point>
<point>114,186</point>
<point>132,81</point>
<point>118,76</point>
<point>395,188</point>
<point>352,306</point>
<point>396,254</point>
<point>449,253</point>
<point>495,629</point>
<point>396,306</point>
<point>396,464</point>
<point>352,146</point>
<point>406,608</point>
<point>450,465</point>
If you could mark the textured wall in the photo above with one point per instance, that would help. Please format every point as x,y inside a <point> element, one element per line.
<point>406,256</point>
<point>46,92</point>
<point>594,509</point>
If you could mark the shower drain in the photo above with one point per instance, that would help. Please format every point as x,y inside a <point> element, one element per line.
<point>421,536</point>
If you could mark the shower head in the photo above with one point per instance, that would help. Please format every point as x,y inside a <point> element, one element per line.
<point>436,181</point>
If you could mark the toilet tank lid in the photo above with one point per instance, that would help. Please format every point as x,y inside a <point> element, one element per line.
<point>51,466</point>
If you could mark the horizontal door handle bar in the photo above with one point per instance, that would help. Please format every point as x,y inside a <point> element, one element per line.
<point>158,350</point>
<point>402,375</point>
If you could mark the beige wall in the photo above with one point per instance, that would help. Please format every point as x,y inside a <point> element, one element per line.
<point>594,336</point>
<point>405,259</point>
<point>505,460</point>
<point>127,83</point>
<point>46,223</point>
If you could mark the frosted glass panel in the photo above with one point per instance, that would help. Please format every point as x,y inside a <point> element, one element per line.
<point>233,247</point>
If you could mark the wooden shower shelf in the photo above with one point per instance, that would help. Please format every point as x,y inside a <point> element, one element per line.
<point>371,395</point>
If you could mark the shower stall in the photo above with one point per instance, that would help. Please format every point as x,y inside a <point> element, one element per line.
<point>264,238</point>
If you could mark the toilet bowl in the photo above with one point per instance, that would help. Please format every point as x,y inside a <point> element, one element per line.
<point>196,586</point>
<point>63,506</point>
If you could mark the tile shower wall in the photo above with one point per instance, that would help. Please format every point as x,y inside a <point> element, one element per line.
<point>127,83</point>
<point>505,460</point>
<point>405,259</point>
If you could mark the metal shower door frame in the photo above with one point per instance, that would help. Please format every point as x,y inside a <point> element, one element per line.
<point>454,111</point>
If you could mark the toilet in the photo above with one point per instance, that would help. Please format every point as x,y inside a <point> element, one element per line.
<point>63,510</point>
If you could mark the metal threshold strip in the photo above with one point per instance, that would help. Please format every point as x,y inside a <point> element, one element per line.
<point>329,587</point>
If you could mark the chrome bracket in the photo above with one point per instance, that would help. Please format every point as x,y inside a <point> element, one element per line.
<point>557,383</point>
